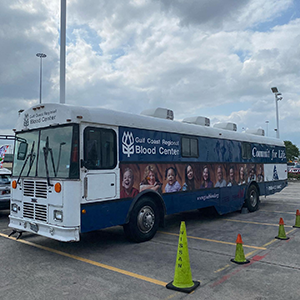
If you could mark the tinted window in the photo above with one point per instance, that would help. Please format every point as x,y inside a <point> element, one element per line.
<point>100,148</point>
<point>189,147</point>
<point>246,150</point>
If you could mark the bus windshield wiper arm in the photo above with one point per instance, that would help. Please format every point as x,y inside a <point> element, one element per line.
<point>46,152</point>
<point>32,157</point>
<point>25,162</point>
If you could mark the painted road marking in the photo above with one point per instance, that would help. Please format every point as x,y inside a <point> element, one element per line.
<point>221,269</point>
<point>91,262</point>
<point>279,212</point>
<point>257,223</point>
<point>214,241</point>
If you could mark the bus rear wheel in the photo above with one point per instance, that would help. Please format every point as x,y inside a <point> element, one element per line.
<point>143,221</point>
<point>252,199</point>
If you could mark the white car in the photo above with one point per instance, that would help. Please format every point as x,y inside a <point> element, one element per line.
<point>5,176</point>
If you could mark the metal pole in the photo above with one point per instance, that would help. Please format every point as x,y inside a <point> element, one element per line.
<point>63,51</point>
<point>267,122</point>
<point>41,56</point>
<point>277,119</point>
<point>41,79</point>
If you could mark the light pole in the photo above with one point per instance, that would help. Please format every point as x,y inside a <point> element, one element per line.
<point>63,25</point>
<point>41,56</point>
<point>267,123</point>
<point>277,98</point>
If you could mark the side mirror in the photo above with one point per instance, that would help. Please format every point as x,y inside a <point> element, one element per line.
<point>22,151</point>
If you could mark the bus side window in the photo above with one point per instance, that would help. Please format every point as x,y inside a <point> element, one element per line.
<point>246,150</point>
<point>189,147</point>
<point>100,148</point>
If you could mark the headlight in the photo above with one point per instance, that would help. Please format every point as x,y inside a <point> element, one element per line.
<point>58,215</point>
<point>14,207</point>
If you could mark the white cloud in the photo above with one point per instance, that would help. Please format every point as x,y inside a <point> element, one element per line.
<point>195,57</point>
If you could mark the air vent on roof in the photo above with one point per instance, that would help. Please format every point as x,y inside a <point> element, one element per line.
<point>258,131</point>
<point>226,126</point>
<point>198,120</point>
<point>159,112</point>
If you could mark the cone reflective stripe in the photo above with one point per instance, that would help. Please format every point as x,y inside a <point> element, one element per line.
<point>281,232</point>
<point>183,276</point>
<point>239,252</point>
<point>297,223</point>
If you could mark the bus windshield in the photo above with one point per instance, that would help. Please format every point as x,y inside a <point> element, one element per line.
<point>50,152</point>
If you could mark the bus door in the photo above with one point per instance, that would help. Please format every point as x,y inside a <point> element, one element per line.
<point>99,172</point>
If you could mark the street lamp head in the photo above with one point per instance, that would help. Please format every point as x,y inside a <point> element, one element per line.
<point>41,55</point>
<point>274,90</point>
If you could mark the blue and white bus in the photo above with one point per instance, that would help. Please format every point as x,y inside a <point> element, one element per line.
<point>80,169</point>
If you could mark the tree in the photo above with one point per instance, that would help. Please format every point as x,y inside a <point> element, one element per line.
<point>292,151</point>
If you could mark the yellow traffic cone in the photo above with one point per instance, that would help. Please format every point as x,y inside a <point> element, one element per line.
<point>297,222</point>
<point>281,232</point>
<point>183,276</point>
<point>239,252</point>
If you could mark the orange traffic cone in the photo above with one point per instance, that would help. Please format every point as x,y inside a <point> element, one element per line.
<point>297,223</point>
<point>281,232</point>
<point>239,253</point>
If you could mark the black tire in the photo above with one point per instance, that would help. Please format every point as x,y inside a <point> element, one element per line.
<point>143,221</point>
<point>252,200</point>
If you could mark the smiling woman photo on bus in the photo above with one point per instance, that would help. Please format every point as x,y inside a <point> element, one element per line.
<point>128,191</point>
<point>260,175</point>
<point>189,184</point>
<point>231,181</point>
<point>242,179</point>
<point>252,175</point>
<point>150,180</point>
<point>172,184</point>
<point>206,183</point>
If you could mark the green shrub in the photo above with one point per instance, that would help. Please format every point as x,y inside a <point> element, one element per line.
<point>293,176</point>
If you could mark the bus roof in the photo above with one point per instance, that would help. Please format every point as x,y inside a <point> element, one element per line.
<point>52,114</point>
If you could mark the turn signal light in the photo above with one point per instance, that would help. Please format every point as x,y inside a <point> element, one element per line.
<point>57,187</point>
<point>14,184</point>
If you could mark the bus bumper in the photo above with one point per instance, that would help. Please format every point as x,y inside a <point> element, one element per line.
<point>63,234</point>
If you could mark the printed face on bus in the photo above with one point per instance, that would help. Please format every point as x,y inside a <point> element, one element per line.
<point>190,173</point>
<point>219,173</point>
<point>231,174</point>
<point>205,174</point>
<point>242,174</point>
<point>127,180</point>
<point>171,176</point>
<point>151,178</point>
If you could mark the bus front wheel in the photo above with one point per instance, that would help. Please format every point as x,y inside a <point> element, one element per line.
<point>143,221</point>
<point>252,199</point>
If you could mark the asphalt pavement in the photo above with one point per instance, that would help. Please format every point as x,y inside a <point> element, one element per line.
<point>104,265</point>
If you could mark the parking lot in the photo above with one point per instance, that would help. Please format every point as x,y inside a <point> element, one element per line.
<point>104,265</point>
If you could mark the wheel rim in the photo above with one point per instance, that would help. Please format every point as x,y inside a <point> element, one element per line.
<point>253,198</point>
<point>145,219</point>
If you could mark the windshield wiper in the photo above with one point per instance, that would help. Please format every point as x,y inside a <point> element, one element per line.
<point>46,150</point>
<point>32,157</point>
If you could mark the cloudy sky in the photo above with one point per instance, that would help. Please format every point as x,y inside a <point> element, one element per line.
<point>213,58</point>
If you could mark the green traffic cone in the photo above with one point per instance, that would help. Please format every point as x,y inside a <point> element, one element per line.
<point>297,223</point>
<point>281,232</point>
<point>183,276</point>
<point>239,252</point>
